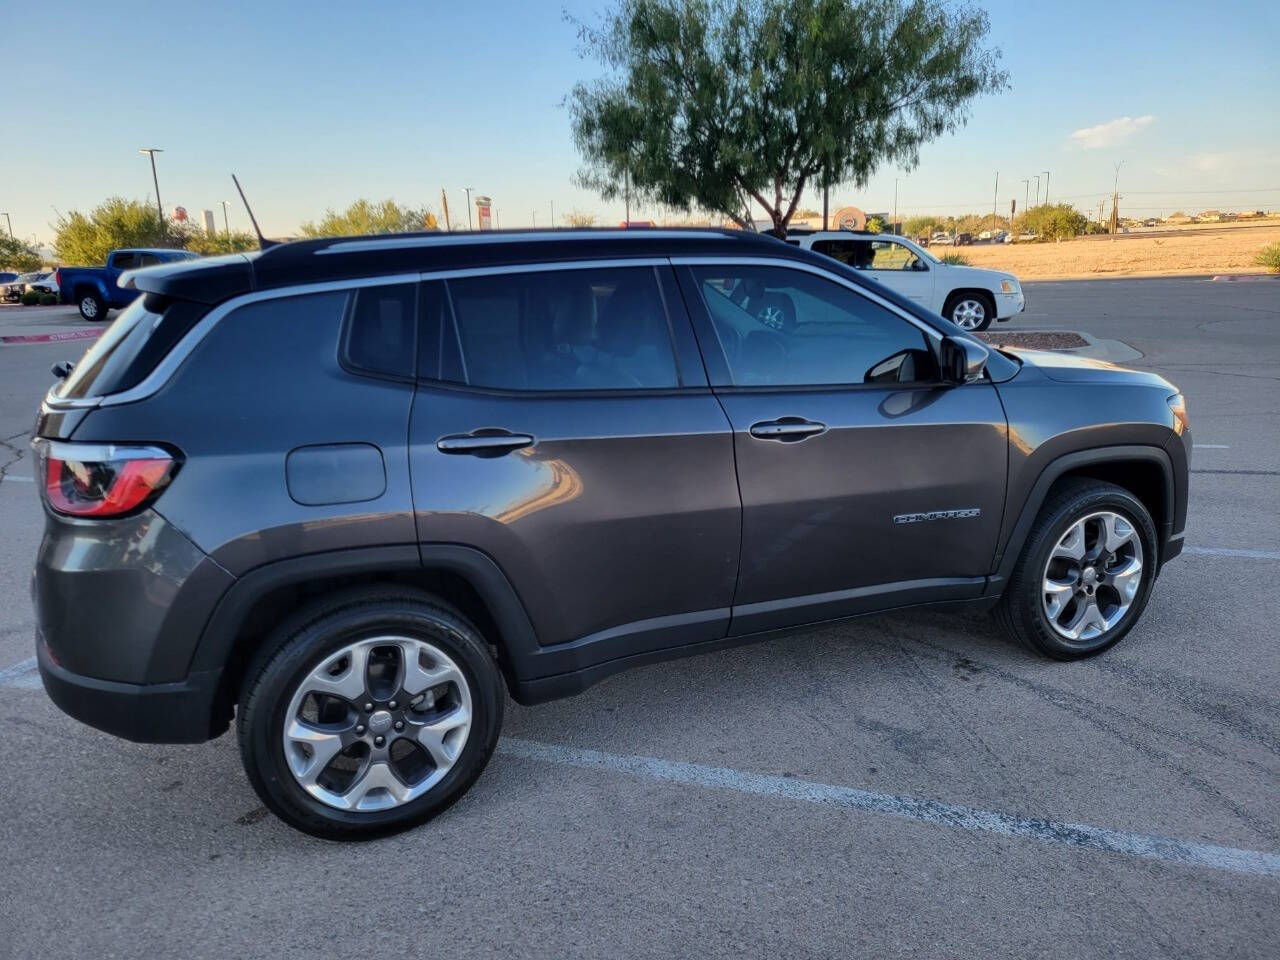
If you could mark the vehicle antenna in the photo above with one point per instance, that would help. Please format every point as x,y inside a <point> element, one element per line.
<point>263,242</point>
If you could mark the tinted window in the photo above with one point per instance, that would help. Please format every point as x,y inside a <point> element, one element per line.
<point>593,329</point>
<point>100,366</point>
<point>125,261</point>
<point>792,328</point>
<point>380,329</point>
<point>148,260</point>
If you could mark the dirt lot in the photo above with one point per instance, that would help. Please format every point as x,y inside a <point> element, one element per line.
<point>1225,251</point>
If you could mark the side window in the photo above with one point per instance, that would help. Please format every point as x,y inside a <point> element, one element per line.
<point>588,329</point>
<point>125,261</point>
<point>148,260</point>
<point>783,327</point>
<point>380,329</point>
<point>888,255</point>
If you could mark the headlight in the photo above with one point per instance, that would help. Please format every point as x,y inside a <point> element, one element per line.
<point>1178,404</point>
<point>1008,286</point>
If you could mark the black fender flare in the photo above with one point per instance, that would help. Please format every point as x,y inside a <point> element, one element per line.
<point>1005,560</point>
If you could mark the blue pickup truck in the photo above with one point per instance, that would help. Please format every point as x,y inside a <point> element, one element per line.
<point>94,289</point>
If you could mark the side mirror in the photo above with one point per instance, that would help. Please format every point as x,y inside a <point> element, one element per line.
<point>962,360</point>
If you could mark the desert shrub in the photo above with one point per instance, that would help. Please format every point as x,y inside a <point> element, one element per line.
<point>1269,257</point>
<point>955,259</point>
<point>30,298</point>
<point>48,299</point>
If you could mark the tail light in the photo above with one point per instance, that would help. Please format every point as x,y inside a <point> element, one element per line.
<point>102,480</point>
<point>57,278</point>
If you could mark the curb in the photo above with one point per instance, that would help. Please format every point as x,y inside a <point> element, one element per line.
<point>54,337</point>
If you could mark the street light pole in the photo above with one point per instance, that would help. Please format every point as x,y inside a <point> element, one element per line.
<point>10,222</point>
<point>151,152</point>
<point>468,190</point>
<point>225,222</point>
<point>895,206</point>
<point>1046,186</point>
<point>1037,189</point>
<point>1026,195</point>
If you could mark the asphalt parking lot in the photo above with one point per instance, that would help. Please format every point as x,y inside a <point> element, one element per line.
<point>908,785</point>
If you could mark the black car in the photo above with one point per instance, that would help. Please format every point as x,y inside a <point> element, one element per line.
<point>351,491</point>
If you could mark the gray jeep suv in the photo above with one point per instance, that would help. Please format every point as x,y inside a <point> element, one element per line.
<point>349,491</point>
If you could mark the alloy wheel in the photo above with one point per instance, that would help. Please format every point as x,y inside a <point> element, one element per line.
<point>969,314</point>
<point>89,307</point>
<point>1092,576</point>
<point>377,724</point>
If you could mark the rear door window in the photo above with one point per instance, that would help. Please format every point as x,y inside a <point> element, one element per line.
<point>125,261</point>
<point>584,329</point>
<point>381,329</point>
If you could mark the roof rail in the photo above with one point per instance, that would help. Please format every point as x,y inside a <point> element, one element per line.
<point>409,240</point>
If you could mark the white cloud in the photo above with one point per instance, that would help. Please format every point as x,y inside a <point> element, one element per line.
<point>1111,132</point>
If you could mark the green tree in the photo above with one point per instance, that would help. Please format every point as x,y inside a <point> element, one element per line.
<point>116,222</point>
<point>366,217</point>
<point>1054,222</point>
<point>18,255</point>
<point>920,226</point>
<point>711,104</point>
<point>211,244</point>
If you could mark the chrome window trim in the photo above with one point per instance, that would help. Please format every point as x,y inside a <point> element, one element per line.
<point>692,261</point>
<point>164,370</point>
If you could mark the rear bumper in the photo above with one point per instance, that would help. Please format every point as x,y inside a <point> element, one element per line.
<point>183,712</point>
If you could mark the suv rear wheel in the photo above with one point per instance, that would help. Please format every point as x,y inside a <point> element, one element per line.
<point>1085,572</point>
<point>369,714</point>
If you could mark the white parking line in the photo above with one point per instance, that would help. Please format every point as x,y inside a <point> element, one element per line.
<point>8,479</point>
<point>23,675</point>
<point>1212,446</point>
<point>1232,552</point>
<point>1149,846</point>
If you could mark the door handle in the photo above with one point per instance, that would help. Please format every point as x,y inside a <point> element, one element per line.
<point>484,443</point>
<point>787,429</point>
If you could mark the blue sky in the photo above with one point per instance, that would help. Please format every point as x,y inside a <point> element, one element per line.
<point>316,104</point>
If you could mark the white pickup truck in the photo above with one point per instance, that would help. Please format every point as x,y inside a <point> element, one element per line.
<point>969,297</point>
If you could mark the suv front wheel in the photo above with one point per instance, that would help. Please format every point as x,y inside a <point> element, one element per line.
<point>1085,573</point>
<point>970,310</point>
<point>369,714</point>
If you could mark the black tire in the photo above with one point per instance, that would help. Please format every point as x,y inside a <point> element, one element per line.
<point>92,308</point>
<point>988,306</point>
<point>322,628</point>
<point>1021,610</point>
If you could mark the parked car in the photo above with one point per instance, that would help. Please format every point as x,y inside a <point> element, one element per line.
<point>45,284</point>
<point>5,277</point>
<point>967,296</point>
<point>964,239</point>
<point>941,239</point>
<point>349,489</point>
<point>94,289</point>
<point>985,236</point>
<point>11,292</point>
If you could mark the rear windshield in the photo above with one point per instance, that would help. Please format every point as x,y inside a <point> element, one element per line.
<point>139,339</point>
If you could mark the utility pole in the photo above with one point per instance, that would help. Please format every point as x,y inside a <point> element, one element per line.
<point>1037,189</point>
<point>1115,201</point>
<point>1046,186</point>
<point>468,189</point>
<point>534,215</point>
<point>895,206</point>
<point>1026,196</point>
<point>995,196</point>
<point>225,222</point>
<point>151,152</point>
<point>626,188</point>
<point>826,205</point>
<point>553,214</point>
<point>10,222</point>
<point>444,203</point>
